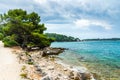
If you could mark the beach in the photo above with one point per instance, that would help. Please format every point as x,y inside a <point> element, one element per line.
<point>9,66</point>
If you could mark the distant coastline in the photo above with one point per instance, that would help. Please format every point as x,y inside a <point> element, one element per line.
<point>104,39</point>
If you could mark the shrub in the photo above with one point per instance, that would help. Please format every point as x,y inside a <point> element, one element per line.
<point>1,36</point>
<point>30,63</point>
<point>9,42</point>
<point>23,68</point>
<point>23,75</point>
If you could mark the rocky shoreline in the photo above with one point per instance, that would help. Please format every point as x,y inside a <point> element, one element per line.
<point>42,65</point>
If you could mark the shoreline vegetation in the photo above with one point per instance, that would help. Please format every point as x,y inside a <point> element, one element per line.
<point>62,38</point>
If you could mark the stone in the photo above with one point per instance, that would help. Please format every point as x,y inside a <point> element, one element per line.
<point>46,78</point>
<point>65,77</point>
<point>59,74</point>
<point>52,51</point>
<point>42,54</point>
<point>71,75</point>
<point>43,65</point>
<point>65,69</point>
<point>77,76</point>
<point>86,76</point>
<point>50,67</point>
<point>57,78</point>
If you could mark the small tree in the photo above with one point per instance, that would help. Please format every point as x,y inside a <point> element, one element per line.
<point>25,28</point>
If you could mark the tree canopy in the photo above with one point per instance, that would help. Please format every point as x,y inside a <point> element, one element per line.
<point>62,38</point>
<point>24,29</point>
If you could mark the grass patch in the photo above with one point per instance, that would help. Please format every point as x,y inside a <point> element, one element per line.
<point>23,75</point>
<point>23,68</point>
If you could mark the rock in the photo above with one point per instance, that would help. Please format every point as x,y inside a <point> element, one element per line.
<point>77,76</point>
<point>59,75</point>
<point>66,77</point>
<point>65,69</point>
<point>86,76</point>
<point>46,78</point>
<point>50,67</point>
<point>43,65</point>
<point>44,74</point>
<point>42,54</point>
<point>71,67</point>
<point>71,75</point>
<point>39,69</point>
<point>52,51</point>
<point>57,78</point>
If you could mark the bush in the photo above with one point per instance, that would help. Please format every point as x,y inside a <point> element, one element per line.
<point>9,42</point>
<point>1,36</point>
<point>23,68</point>
<point>23,75</point>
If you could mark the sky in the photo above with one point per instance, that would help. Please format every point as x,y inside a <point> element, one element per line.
<point>79,18</point>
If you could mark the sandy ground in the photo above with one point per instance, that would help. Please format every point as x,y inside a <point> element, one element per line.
<point>9,66</point>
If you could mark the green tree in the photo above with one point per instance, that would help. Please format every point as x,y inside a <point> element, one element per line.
<point>61,38</point>
<point>25,28</point>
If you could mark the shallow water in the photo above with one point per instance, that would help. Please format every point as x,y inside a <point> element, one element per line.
<point>101,57</point>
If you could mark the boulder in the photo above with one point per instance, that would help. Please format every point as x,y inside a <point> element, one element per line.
<point>53,51</point>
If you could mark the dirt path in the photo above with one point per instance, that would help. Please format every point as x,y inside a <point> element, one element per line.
<point>9,66</point>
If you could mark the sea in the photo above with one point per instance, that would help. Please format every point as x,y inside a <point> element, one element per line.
<point>101,58</point>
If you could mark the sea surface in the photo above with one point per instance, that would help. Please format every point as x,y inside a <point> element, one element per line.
<point>102,58</point>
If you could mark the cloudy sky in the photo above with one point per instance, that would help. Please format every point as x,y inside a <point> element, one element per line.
<point>78,18</point>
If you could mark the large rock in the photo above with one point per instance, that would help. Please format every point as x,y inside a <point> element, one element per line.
<point>52,51</point>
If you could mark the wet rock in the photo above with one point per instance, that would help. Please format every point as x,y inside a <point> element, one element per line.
<point>86,76</point>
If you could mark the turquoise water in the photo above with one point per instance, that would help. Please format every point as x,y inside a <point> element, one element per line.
<point>101,57</point>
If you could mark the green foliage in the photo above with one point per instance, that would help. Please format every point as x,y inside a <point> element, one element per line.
<point>1,36</point>
<point>61,38</point>
<point>9,42</point>
<point>25,28</point>
<point>23,68</point>
<point>30,63</point>
<point>23,75</point>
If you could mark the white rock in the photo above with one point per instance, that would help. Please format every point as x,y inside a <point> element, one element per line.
<point>50,67</point>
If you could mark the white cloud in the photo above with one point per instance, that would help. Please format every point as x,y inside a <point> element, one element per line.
<point>85,24</point>
<point>40,1</point>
